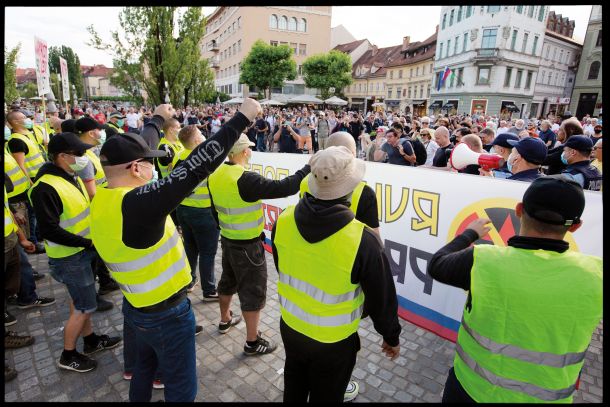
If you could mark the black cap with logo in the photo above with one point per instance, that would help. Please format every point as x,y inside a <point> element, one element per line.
<point>125,148</point>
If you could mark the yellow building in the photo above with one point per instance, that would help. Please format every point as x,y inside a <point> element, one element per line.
<point>409,77</point>
<point>231,32</point>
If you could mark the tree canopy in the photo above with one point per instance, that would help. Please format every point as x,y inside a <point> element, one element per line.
<point>155,50</point>
<point>268,66</point>
<point>325,71</point>
<point>75,75</point>
<point>10,74</point>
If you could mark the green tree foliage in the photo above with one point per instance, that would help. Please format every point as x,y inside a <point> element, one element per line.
<point>149,55</point>
<point>201,86</point>
<point>10,74</point>
<point>75,75</point>
<point>267,66</point>
<point>324,71</point>
<point>30,90</point>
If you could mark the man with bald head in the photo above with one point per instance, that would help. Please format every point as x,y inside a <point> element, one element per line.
<point>441,157</point>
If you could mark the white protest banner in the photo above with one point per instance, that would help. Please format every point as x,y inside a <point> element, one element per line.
<point>63,65</point>
<point>421,210</point>
<point>42,66</point>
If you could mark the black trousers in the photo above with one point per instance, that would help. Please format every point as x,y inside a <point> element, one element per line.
<point>317,370</point>
<point>454,392</point>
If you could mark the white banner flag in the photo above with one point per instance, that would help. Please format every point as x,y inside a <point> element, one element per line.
<point>420,211</point>
<point>64,79</point>
<point>42,66</point>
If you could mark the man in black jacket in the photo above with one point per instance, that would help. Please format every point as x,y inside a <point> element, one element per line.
<point>321,350</point>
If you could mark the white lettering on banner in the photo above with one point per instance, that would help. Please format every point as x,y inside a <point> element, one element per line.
<point>420,211</point>
<point>42,66</point>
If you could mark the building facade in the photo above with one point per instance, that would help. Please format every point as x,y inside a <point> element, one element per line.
<point>409,77</point>
<point>587,94</point>
<point>231,32</point>
<point>558,66</point>
<point>494,53</point>
<point>340,35</point>
<point>97,81</point>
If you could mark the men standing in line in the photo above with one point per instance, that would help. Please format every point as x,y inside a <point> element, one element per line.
<point>517,342</point>
<point>236,196</point>
<point>331,267</point>
<point>61,204</point>
<point>140,245</point>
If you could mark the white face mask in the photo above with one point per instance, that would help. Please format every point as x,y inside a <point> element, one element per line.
<point>80,163</point>
<point>102,138</point>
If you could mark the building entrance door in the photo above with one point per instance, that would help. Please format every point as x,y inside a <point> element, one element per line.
<point>586,104</point>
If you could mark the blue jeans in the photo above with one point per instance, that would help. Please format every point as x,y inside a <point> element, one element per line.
<point>27,289</point>
<point>33,223</point>
<point>200,235</point>
<point>260,142</point>
<point>76,273</point>
<point>164,340</point>
<point>129,348</point>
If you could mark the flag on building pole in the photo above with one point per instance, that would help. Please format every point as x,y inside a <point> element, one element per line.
<point>441,79</point>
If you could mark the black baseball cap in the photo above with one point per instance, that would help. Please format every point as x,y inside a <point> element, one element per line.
<point>85,124</point>
<point>68,126</point>
<point>125,148</point>
<point>580,143</point>
<point>554,199</point>
<point>67,142</point>
<point>532,149</point>
<point>502,140</point>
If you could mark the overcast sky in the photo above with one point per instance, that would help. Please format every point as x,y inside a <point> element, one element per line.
<point>384,26</point>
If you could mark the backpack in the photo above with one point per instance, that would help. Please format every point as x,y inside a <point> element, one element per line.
<point>420,151</point>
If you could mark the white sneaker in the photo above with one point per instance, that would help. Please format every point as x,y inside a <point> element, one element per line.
<point>351,392</point>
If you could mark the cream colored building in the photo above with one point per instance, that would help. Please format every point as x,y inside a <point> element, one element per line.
<point>231,32</point>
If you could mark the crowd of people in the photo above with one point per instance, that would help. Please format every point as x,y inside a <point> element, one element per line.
<point>138,198</point>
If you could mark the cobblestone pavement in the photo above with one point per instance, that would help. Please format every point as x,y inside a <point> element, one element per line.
<point>223,373</point>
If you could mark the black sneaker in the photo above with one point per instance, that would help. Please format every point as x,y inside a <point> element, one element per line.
<point>78,363</point>
<point>40,302</point>
<point>11,299</point>
<point>261,347</point>
<point>37,275</point>
<point>198,329</point>
<point>9,319</point>
<point>107,288</point>
<point>223,327</point>
<point>191,286</point>
<point>103,305</point>
<point>104,342</point>
<point>210,297</point>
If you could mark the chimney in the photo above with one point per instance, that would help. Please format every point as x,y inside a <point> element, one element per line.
<point>374,50</point>
<point>405,41</point>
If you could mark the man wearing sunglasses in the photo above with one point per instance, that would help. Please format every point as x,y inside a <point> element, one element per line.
<point>139,243</point>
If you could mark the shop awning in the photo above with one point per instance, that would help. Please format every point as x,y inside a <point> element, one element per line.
<point>450,105</point>
<point>391,102</point>
<point>512,108</point>
<point>437,104</point>
<point>419,102</point>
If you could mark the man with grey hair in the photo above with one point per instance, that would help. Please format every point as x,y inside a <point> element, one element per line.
<point>518,127</point>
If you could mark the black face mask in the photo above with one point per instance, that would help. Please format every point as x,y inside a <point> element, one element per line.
<point>597,131</point>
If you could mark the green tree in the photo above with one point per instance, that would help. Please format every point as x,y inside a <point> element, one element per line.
<point>324,71</point>
<point>201,86</point>
<point>267,66</point>
<point>10,74</point>
<point>75,75</point>
<point>149,56</point>
<point>29,90</point>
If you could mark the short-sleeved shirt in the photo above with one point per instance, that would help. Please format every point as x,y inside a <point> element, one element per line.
<point>286,142</point>
<point>132,120</point>
<point>259,125</point>
<point>303,124</point>
<point>394,156</point>
<point>440,157</point>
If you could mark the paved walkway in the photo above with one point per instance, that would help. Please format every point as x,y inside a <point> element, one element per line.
<point>224,374</point>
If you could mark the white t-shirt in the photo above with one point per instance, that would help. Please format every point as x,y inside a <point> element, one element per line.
<point>132,120</point>
<point>588,130</point>
<point>503,130</point>
<point>555,127</point>
<point>215,125</point>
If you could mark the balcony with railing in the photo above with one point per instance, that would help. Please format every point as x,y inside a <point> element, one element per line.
<point>214,63</point>
<point>487,55</point>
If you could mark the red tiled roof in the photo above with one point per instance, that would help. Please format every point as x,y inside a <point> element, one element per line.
<point>25,75</point>
<point>416,46</point>
<point>349,47</point>
<point>96,70</point>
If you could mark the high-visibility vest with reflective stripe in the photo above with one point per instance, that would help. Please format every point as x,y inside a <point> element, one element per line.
<point>100,176</point>
<point>39,137</point>
<point>316,295</point>
<point>176,147</point>
<point>34,158</point>
<point>239,220</point>
<point>9,222</point>
<point>146,276</point>
<point>355,197</point>
<point>200,197</point>
<point>21,182</point>
<point>48,128</point>
<point>532,317</point>
<point>74,217</point>
<point>116,127</point>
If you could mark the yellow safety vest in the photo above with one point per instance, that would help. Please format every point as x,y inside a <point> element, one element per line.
<point>239,220</point>
<point>355,197</point>
<point>39,138</point>
<point>533,312</point>
<point>21,182</point>
<point>176,147</point>
<point>146,276</point>
<point>10,225</point>
<point>100,176</point>
<point>74,217</point>
<point>34,158</point>
<point>316,295</point>
<point>117,128</point>
<point>200,197</point>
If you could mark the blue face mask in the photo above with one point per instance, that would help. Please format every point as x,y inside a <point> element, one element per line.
<point>28,124</point>
<point>120,123</point>
<point>563,158</point>
<point>7,133</point>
